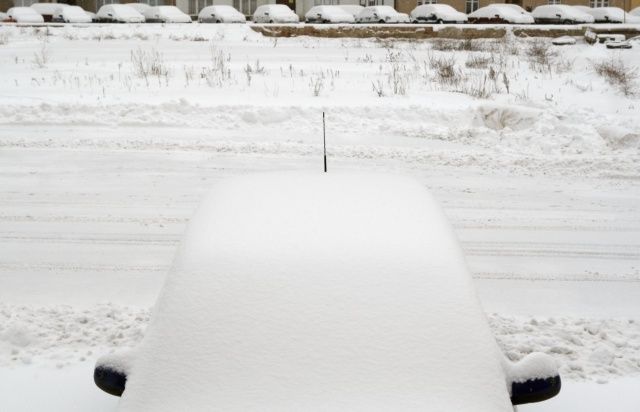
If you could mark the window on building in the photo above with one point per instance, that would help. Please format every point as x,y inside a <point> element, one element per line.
<point>325,2</point>
<point>421,2</point>
<point>471,6</point>
<point>365,3</point>
<point>555,1</point>
<point>599,3</point>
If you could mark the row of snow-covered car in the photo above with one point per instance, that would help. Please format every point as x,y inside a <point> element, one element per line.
<point>117,13</point>
<point>278,13</point>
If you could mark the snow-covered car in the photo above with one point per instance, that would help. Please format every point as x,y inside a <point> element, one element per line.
<point>611,15</point>
<point>635,12</point>
<point>321,292</point>
<point>166,14</point>
<point>119,13</point>
<point>501,13</point>
<point>560,14</point>
<point>381,14</point>
<point>4,16</point>
<point>24,15</point>
<point>437,13</point>
<point>275,13</point>
<point>139,7</point>
<point>71,14</point>
<point>47,10</point>
<point>619,45</point>
<point>328,14</point>
<point>220,14</point>
<point>352,9</point>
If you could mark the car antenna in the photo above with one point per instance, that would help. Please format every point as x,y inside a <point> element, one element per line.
<point>324,143</point>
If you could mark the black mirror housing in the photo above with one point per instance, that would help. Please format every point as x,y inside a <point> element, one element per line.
<point>109,380</point>
<point>535,390</point>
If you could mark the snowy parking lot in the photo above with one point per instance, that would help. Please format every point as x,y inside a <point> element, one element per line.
<point>111,135</point>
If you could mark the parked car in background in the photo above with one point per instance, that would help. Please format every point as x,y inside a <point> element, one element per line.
<point>437,13</point>
<point>47,10</point>
<point>220,14</point>
<point>71,14</point>
<point>328,14</point>
<point>139,7</point>
<point>560,14</point>
<point>166,14</point>
<point>635,12</point>
<point>119,13</point>
<point>610,15</point>
<point>321,292</point>
<point>381,14</point>
<point>275,13</point>
<point>4,16</point>
<point>501,13</point>
<point>24,15</point>
<point>352,9</point>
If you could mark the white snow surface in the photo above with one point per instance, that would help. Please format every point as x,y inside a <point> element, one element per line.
<point>101,170</point>
<point>318,292</point>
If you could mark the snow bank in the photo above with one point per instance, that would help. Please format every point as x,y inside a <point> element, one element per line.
<point>585,348</point>
<point>63,335</point>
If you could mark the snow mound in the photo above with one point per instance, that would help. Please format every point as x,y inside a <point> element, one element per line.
<point>63,335</point>
<point>596,349</point>
<point>585,349</point>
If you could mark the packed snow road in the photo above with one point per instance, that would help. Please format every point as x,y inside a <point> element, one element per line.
<point>101,167</point>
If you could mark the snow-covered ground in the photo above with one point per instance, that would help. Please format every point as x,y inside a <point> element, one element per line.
<point>536,163</point>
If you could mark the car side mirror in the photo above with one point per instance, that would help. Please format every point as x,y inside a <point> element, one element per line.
<point>109,380</point>
<point>109,14</point>
<point>375,15</point>
<point>497,16</point>
<point>534,378</point>
<point>535,390</point>
<point>558,15</point>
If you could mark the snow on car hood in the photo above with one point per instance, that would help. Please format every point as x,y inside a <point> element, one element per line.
<point>333,14</point>
<point>505,12</point>
<point>441,11</point>
<point>170,13</point>
<point>566,12</point>
<point>25,15</point>
<point>74,14</point>
<point>318,292</point>
<point>223,11</point>
<point>613,14</point>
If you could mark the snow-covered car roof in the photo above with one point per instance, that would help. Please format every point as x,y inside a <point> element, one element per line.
<point>613,14</point>
<point>73,14</point>
<point>333,291</point>
<point>121,11</point>
<point>443,11</point>
<point>47,8</point>
<point>172,13</point>
<point>352,9</point>
<point>335,14</point>
<point>276,9</point>
<point>139,7</point>
<point>383,10</point>
<point>222,10</point>
<point>24,15</point>
<point>505,11</point>
<point>550,11</point>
